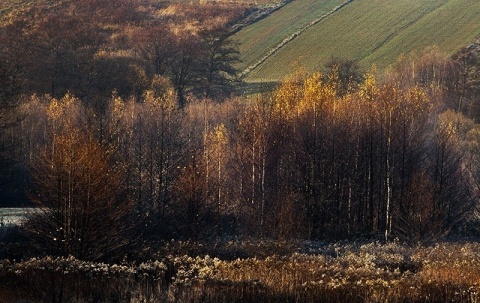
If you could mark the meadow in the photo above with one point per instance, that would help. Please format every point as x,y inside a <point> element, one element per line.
<point>256,39</point>
<point>369,32</point>
<point>316,272</point>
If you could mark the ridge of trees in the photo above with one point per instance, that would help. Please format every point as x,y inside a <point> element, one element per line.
<point>91,48</point>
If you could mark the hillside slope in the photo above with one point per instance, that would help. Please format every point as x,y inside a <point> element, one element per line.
<point>369,31</point>
<point>258,38</point>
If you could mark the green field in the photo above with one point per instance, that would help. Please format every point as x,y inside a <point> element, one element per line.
<point>369,31</point>
<point>258,38</point>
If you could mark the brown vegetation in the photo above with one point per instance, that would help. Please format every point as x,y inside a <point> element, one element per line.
<point>370,272</point>
<point>303,162</point>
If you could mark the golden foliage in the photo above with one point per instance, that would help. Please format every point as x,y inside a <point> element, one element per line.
<point>161,94</point>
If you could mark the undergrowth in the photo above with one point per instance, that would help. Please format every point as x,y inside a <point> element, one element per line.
<point>372,272</point>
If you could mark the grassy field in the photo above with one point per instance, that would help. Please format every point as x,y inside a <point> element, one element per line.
<point>354,273</point>
<point>450,27</point>
<point>369,31</point>
<point>255,40</point>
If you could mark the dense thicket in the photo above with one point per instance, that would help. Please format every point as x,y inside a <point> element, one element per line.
<point>390,158</point>
<point>91,48</point>
<point>359,273</point>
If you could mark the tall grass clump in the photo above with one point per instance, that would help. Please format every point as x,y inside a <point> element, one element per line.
<point>70,280</point>
<point>371,272</point>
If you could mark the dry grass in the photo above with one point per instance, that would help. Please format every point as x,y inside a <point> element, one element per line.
<point>329,273</point>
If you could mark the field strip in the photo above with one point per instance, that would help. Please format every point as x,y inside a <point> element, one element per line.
<point>291,37</point>
<point>393,34</point>
<point>258,16</point>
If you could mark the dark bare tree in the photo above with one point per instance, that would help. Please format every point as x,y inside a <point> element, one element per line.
<point>83,205</point>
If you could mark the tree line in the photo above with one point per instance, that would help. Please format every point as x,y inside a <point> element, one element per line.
<point>90,48</point>
<point>308,160</point>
